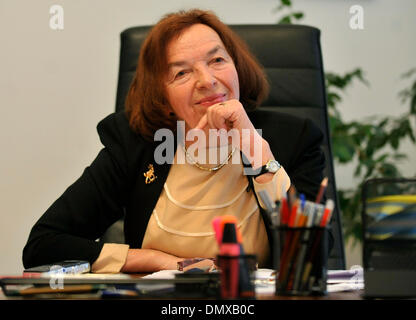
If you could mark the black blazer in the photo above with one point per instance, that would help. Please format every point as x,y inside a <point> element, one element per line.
<point>114,186</point>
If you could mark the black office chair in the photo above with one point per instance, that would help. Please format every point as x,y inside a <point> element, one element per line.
<point>292,58</point>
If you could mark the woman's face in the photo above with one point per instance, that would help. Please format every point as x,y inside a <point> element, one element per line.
<point>200,73</point>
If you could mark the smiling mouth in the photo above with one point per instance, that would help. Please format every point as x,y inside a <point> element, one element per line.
<point>209,101</point>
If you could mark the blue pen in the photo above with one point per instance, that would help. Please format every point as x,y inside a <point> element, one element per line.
<point>302,201</point>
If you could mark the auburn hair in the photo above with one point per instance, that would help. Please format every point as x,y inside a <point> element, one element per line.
<point>146,103</point>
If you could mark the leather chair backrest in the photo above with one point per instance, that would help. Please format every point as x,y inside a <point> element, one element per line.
<point>292,59</point>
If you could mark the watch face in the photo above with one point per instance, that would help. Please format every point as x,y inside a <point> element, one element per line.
<point>273,166</point>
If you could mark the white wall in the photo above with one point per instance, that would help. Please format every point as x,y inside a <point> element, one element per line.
<point>56,85</point>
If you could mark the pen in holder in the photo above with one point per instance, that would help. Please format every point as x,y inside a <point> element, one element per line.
<point>302,242</point>
<point>300,231</point>
<point>303,260</point>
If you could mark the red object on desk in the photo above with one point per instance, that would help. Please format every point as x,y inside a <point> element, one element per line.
<point>229,255</point>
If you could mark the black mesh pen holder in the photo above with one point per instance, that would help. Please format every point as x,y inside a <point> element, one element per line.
<point>303,259</point>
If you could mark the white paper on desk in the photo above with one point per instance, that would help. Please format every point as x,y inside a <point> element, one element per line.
<point>267,274</point>
<point>99,276</point>
<point>338,280</point>
<point>265,282</point>
<point>345,280</point>
<point>351,281</point>
<point>356,272</point>
<point>339,287</point>
<point>163,274</point>
<point>160,287</point>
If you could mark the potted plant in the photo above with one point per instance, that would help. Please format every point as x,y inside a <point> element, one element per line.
<point>370,144</point>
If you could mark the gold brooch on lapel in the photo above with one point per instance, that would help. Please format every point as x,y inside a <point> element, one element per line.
<point>150,174</point>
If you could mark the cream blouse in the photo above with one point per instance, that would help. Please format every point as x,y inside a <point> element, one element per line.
<point>181,220</point>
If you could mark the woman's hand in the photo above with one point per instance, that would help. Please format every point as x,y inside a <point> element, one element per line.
<point>226,115</point>
<point>232,117</point>
<point>149,260</point>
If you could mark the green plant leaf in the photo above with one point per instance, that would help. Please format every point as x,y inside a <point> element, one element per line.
<point>279,8</point>
<point>400,156</point>
<point>389,170</point>
<point>382,157</point>
<point>408,74</point>
<point>412,136</point>
<point>413,103</point>
<point>285,20</point>
<point>383,123</point>
<point>343,151</point>
<point>333,98</point>
<point>376,140</point>
<point>358,169</point>
<point>359,73</point>
<point>409,93</point>
<point>297,15</point>
<point>335,122</point>
<point>394,139</point>
<point>343,81</point>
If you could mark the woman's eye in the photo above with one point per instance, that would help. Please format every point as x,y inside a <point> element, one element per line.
<point>218,59</point>
<point>180,74</point>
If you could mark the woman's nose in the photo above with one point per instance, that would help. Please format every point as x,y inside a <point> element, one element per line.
<point>205,79</point>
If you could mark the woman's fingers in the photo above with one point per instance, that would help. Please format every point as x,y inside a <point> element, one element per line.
<point>216,118</point>
<point>203,122</point>
<point>224,114</point>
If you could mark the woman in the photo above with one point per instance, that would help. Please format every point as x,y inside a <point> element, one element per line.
<point>192,68</point>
